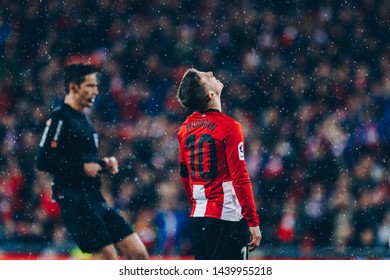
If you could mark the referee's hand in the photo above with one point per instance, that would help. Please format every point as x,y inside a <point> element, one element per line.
<point>111,165</point>
<point>255,238</point>
<point>92,169</point>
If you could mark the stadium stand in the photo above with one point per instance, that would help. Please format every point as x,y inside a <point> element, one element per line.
<point>308,80</point>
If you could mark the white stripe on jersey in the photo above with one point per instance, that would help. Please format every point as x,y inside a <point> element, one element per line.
<point>57,134</point>
<point>231,210</point>
<point>200,199</point>
<point>58,130</point>
<point>44,135</point>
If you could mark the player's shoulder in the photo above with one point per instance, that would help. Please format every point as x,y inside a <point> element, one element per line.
<point>59,113</point>
<point>190,118</point>
<point>228,121</point>
<point>55,112</point>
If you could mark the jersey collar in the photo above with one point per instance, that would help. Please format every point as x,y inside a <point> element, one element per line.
<point>210,110</point>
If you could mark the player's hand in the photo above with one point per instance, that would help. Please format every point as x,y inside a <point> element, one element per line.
<point>111,165</point>
<point>255,238</point>
<point>92,169</point>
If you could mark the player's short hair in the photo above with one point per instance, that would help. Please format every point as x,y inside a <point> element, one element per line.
<point>75,73</point>
<point>191,92</point>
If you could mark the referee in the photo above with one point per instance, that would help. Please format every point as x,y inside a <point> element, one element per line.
<point>69,151</point>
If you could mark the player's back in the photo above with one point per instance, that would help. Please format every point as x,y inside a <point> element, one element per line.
<point>203,141</point>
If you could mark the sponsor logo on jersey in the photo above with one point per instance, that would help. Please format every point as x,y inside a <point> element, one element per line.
<point>241,151</point>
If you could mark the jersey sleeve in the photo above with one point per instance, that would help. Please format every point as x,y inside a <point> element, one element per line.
<point>52,155</point>
<point>184,174</point>
<point>237,167</point>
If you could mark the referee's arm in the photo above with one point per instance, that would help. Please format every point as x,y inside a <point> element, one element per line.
<point>48,157</point>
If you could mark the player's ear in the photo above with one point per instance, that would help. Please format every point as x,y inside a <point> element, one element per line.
<point>211,94</point>
<point>73,87</point>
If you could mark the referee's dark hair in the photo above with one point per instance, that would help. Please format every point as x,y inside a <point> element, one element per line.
<point>75,73</point>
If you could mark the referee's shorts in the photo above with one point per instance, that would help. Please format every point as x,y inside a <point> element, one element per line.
<point>214,239</point>
<point>92,224</point>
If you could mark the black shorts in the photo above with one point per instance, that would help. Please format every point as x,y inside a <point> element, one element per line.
<point>214,239</point>
<point>92,224</point>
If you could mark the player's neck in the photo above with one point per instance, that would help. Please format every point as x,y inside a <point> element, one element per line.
<point>215,106</point>
<point>72,102</point>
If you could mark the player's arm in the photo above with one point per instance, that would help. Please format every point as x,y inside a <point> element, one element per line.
<point>255,238</point>
<point>236,163</point>
<point>48,157</point>
<point>184,172</point>
<point>241,182</point>
<point>53,150</point>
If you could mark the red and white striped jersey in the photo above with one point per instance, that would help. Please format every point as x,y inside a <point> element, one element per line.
<point>213,169</point>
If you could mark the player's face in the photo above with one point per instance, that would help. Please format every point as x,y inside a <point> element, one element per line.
<point>87,91</point>
<point>210,81</point>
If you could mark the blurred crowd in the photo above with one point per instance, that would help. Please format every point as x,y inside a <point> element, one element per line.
<point>308,80</point>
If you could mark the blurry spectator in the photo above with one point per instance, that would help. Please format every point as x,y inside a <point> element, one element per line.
<point>60,246</point>
<point>317,220</point>
<point>170,222</point>
<point>288,229</point>
<point>341,206</point>
<point>383,233</point>
<point>364,220</point>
